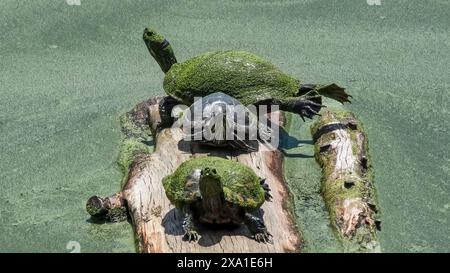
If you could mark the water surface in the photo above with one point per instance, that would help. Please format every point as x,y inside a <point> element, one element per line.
<point>67,72</point>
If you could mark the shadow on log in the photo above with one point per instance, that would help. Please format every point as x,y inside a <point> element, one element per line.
<point>157,224</point>
<point>341,149</point>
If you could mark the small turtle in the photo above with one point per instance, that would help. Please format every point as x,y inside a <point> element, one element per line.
<point>222,121</point>
<point>214,190</point>
<point>242,75</point>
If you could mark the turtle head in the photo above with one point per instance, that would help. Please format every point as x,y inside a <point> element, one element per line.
<point>159,48</point>
<point>210,183</point>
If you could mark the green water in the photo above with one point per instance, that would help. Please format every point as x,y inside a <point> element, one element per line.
<point>67,72</point>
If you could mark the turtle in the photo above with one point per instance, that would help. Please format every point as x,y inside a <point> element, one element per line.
<point>220,120</point>
<point>214,190</point>
<point>240,74</point>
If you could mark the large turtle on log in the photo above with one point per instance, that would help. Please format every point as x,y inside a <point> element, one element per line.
<point>218,191</point>
<point>240,74</point>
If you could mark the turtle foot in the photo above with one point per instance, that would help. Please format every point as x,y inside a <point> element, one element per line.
<point>266,188</point>
<point>256,226</point>
<point>191,236</point>
<point>334,91</point>
<point>308,106</point>
<point>263,237</point>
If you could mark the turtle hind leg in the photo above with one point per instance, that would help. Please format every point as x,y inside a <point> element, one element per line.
<point>332,91</point>
<point>266,189</point>
<point>257,227</point>
<point>190,233</point>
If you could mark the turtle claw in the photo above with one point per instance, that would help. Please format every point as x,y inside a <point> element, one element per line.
<point>263,237</point>
<point>308,112</point>
<point>191,236</point>
<point>267,196</point>
<point>308,107</point>
<point>256,226</point>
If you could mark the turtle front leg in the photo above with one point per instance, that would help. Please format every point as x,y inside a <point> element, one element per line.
<point>265,186</point>
<point>256,226</point>
<point>165,111</point>
<point>307,105</point>
<point>190,233</point>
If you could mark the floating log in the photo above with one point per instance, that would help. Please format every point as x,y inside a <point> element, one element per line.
<point>341,149</point>
<point>157,224</point>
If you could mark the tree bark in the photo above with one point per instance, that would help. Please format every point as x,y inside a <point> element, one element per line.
<point>341,149</point>
<point>158,225</point>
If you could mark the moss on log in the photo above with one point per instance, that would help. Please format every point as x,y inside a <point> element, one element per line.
<point>341,149</point>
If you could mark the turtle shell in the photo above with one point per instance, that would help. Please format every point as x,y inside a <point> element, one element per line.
<point>240,74</point>
<point>241,186</point>
<point>221,120</point>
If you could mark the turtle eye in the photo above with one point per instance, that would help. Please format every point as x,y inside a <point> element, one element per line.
<point>214,171</point>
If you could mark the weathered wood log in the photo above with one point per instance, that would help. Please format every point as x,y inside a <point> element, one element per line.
<point>157,224</point>
<point>341,149</point>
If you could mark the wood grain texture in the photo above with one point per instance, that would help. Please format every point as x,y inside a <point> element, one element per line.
<point>158,225</point>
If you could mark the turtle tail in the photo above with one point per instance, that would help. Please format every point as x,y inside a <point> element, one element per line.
<point>332,91</point>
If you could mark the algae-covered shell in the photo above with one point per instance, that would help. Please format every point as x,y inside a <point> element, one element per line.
<point>241,186</point>
<point>240,74</point>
